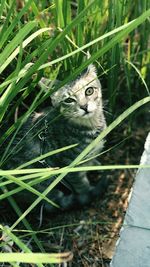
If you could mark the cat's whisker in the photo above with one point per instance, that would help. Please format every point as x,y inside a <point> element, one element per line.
<point>107,112</point>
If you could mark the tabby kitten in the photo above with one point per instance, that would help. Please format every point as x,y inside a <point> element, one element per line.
<point>76,116</point>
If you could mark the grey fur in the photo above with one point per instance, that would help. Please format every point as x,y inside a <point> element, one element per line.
<point>79,119</point>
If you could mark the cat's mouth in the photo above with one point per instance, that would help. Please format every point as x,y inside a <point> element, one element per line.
<point>87,114</point>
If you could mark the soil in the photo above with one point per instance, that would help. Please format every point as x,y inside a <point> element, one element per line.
<point>91,233</point>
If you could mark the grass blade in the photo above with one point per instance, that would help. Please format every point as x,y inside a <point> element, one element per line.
<point>36,257</point>
<point>15,42</point>
<point>9,30</point>
<point>24,44</point>
<point>17,241</point>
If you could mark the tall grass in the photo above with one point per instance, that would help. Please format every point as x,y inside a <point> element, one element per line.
<point>55,36</point>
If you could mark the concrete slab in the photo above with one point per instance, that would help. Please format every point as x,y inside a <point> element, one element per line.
<point>133,246</point>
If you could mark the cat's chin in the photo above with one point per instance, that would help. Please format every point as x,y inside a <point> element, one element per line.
<point>88,120</point>
<point>87,115</point>
<point>84,116</point>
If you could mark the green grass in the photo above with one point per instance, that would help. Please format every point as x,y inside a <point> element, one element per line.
<point>55,37</point>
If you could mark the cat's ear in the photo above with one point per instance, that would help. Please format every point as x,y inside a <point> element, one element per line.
<point>91,69</point>
<point>45,84</point>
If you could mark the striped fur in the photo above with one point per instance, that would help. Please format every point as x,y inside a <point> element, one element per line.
<point>76,116</point>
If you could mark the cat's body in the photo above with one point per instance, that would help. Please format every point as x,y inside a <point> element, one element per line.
<point>75,117</point>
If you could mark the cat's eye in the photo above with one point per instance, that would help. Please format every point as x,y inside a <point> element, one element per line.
<point>89,91</point>
<point>69,100</point>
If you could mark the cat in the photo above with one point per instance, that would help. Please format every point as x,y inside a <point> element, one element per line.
<point>75,116</point>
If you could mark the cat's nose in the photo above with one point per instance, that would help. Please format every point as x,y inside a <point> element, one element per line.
<point>85,108</point>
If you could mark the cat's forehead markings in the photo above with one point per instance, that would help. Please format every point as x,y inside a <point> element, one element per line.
<point>82,83</point>
<point>77,87</point>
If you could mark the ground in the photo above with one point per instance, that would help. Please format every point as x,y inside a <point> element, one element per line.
<point>91,233</point>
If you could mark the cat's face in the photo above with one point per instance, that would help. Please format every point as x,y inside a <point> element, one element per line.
<point>81,99</point>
